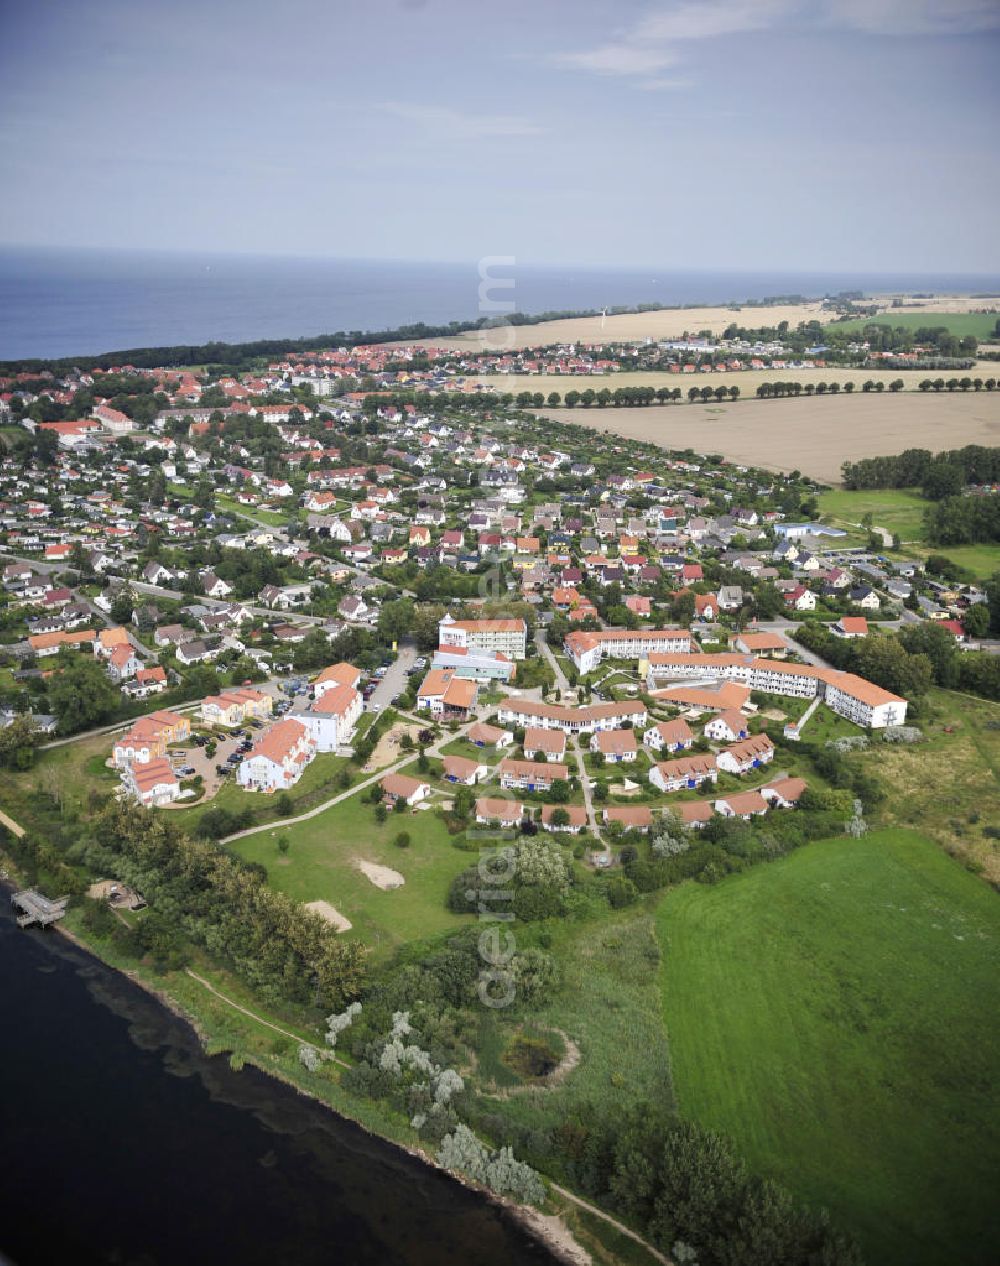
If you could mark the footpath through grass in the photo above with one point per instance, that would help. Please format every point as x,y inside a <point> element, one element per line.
<point>835,1014</point>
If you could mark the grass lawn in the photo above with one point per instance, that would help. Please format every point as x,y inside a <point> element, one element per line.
<point>982,561</point>
<point>898,510</point>
<point>483,755</point>
<point>825,724</point>
<point>948,786</point>
<point>979,324</point>
<point>271,518</point>
<point>320,865</point>
<point>74,770</point>
<point>835,1014</point>
<point>609,1006</point>
<point>318,783</point>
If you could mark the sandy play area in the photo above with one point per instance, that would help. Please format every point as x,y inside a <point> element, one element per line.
<point>383,877</point>
<point>387,749</point>
<point>330,913</point>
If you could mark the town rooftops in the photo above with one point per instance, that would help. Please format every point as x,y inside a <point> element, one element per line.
<point>153,773</point>
<point>280,741</point>
<point>336,702</point>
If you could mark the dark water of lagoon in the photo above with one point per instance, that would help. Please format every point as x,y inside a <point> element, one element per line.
<point>122,1143</point>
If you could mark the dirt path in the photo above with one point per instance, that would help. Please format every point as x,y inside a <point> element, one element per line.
<point>250,1015</point>
<point>11,825</point>
<point>619,1226</point>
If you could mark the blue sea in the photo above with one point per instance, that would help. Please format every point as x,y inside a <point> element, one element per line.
<point>76,302</point>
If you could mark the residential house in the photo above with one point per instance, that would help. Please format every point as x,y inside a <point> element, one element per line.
<point>151,783</point>
<point>669,736</point>
<point>483,735</point>
<point>728,727</point>
<point>403,787</point>
<point>460,769</point>
<point>686,772</point>
<point>278,758</point>
<point>526,775</point>
<point>616,746</point>
<point>499,812</point>
<point>549,744</point>
<point>332,717</point>
<point>575,818</point>
<point>631,817</point>
<point>750,753</point>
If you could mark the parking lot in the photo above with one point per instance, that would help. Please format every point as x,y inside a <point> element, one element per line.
<point>394,681</point>
<point>195,757</point>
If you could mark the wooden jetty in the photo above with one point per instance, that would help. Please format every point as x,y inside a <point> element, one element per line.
<point>34,909</point>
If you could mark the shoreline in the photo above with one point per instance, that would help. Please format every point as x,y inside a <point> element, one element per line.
<point>459,333</point>
<point>549,1229</point>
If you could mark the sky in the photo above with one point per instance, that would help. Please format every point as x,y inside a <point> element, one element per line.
<point>841,135</point>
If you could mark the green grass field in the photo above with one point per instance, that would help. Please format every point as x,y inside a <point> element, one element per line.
<point>320,865</point>
<point>980,324</point>
<point>835,1014</point>
<point>900,510</point>
<point>982,561</point>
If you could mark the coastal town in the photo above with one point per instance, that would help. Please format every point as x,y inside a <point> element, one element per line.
<point>334,635</point>
<point>214,543</point>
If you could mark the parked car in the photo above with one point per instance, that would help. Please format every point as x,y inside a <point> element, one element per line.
<point>222,770</point>
<point>186,771</point>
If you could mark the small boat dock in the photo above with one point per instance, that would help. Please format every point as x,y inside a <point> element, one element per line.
<point>33,909</point>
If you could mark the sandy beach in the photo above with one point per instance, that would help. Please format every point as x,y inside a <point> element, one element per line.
<point>812,435</point>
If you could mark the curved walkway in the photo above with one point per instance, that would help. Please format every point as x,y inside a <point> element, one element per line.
<point>250,1014</point>
<point>619,1226</point>
<point>434,750</point>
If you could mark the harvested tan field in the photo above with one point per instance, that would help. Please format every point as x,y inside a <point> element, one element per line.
<point>748,380</point>
<point>675,322</point>
<point>814,435</point>
<point>667,323</point>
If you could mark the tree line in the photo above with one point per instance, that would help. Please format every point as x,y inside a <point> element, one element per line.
<point>915,467</point>
<point>776,390</point>
<point>626,396</point>
<point>198,893</point>
<point>909,663</point>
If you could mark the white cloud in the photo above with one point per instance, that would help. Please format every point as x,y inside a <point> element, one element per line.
<point>915,17</point>
<point>650,46</point>
<point>704,21</point>
<point>618,59</point>
<point>646,49</point>
<point>457,126</point>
